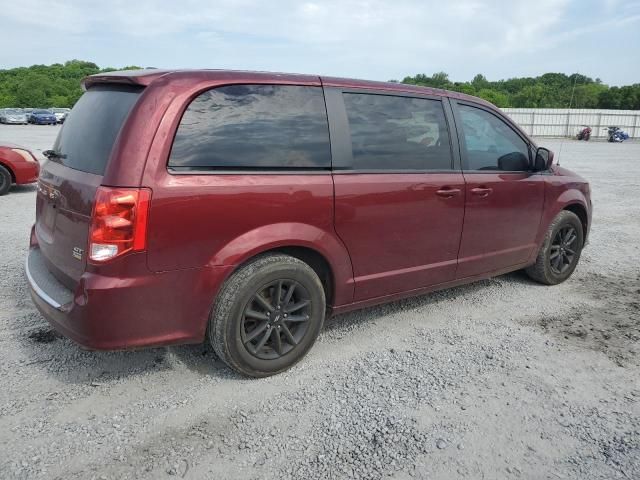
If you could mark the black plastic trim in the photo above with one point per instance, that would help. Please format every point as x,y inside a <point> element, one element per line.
<point>394,171</point>
<point>339,132</point>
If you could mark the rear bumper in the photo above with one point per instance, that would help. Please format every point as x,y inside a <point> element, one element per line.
<point>113,313</point>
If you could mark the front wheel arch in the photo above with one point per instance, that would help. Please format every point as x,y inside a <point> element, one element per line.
<point>581,213</point>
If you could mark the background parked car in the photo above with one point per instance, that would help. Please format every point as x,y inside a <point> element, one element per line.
<point>17,165</point>
<point>61,113</point>
<point>13,115</point>
<point>42,117</point>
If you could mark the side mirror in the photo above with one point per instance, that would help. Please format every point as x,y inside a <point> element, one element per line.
<point>543,160</point>
<point>513,162</point>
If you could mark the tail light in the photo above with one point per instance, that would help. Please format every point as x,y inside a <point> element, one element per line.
<point>25,154</point>
<point>118,223</point>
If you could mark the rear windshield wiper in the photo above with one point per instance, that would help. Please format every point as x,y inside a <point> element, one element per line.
<point>52,154</point>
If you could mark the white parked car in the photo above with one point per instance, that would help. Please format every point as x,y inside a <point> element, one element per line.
<point>13,115</point>
<point>60,113</point>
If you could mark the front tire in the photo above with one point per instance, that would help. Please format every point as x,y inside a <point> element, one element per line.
<point>560,251</point>
<point>267,315</point>
<point>5,180</point>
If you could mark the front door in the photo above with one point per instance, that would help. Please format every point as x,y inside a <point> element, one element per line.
<point>399,202</point>
<point>504,198</point>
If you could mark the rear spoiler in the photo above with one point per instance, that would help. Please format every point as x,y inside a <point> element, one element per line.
<point>126,77</point>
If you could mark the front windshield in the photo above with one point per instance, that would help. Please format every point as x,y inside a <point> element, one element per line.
<point>13,111</point>
<point>42,112</point>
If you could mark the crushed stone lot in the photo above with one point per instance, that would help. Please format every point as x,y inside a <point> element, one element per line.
<point>503,378</point>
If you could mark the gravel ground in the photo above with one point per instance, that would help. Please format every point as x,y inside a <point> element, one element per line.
<point>499,379</point>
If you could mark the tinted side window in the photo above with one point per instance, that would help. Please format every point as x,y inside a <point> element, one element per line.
<point>397,133</point>
<point>254,126</point>
<point>490,143</point>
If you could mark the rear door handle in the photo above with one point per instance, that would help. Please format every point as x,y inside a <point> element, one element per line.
<point>481,191</point>
<point>448,192</point>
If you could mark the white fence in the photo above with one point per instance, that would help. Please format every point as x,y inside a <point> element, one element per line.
<point>564,122</point>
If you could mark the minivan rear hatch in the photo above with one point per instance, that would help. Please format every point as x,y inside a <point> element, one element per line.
<point>73,172</point>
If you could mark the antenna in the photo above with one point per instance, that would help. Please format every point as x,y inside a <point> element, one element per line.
<point>573,90</point>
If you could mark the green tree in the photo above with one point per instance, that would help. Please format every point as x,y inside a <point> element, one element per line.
<point>56,85</point>
<point>497,98</point>
<point>480,82</point>
<point>32,92</point>
<point>550,90</point>
<point>609,98</point>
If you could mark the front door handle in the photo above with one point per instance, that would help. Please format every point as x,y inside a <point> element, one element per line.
<point>482,191</point>
<point>448,192</point>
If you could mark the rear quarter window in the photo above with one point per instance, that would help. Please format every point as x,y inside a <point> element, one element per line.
<point>239,127</point>
<point>91,128</point>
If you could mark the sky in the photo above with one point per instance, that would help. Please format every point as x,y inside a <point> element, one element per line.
<point>376,40</point>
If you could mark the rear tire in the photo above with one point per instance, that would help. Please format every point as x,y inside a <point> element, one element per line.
<point>257,326</point>
<point>5,180</point>
<point>560,250</point>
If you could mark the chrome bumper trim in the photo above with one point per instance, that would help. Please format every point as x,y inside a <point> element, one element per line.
<point>41,293</point>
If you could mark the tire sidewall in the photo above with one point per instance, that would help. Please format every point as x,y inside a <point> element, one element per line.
<point>568,219</point>
<point>5,182</point>
<point>232,329</point>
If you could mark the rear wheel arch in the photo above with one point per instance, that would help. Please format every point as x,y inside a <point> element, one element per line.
<point>315,246</point>
<point>316,260</point>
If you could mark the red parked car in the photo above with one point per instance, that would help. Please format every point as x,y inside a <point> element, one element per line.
<point>237,208</point>
<point>17,165</point>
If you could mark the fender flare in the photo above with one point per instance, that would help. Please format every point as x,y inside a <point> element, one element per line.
<point>281,235</point>
<point>564,200</point>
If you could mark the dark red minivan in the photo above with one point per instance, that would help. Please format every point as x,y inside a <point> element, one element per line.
<point>240,207</point>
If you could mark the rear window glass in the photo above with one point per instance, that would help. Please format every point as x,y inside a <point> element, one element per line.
<point>90,130</point>
<point>254,127</point>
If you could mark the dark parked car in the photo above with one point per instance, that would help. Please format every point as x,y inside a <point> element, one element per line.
<point>17,165</point>
<point>238,208</point>
<point>42,117</point>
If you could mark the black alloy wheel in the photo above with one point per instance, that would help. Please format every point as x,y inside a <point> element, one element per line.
<point>275,319</point>
<point>562,252</point>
